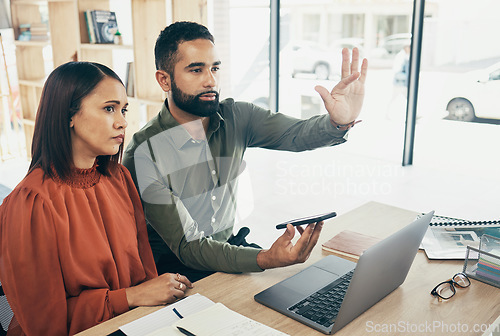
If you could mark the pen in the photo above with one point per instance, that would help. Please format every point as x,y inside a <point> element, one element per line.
<point>185,332</point>
<point>177,313</point>
<point>182,330</point>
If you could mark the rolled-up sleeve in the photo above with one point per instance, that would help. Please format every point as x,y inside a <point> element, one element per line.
<point>279,131</point>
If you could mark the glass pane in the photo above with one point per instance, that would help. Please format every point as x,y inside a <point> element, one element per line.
<point>457,130</point>
<point>12,139</point>
<point>312,37</point>
<point>241,30</point>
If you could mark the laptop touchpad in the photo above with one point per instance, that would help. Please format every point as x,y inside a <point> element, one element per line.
<point>309,280</point>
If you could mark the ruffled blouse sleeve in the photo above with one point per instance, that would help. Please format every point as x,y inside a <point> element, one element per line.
<point>29,267</point>
<point>38,276</point>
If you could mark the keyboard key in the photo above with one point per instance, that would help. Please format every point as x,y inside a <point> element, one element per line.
<point>304,309</point>
<point>323,306</point>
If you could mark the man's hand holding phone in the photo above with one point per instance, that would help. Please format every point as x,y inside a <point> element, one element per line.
<point>283,252</point>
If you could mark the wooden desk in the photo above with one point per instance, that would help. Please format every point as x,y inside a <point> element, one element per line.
<point>410,309</point>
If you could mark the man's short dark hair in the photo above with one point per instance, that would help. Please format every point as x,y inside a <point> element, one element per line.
<point>168,41</point>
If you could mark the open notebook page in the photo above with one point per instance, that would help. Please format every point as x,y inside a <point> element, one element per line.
<point>166,316</point>
<point>222,321</point>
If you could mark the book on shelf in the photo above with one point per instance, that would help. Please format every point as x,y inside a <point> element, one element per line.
<point>39,31</point>
<point>24,32</point>
<point>197,315</point>
<point>101,26</point>
<point>349,244</point>
<point>448,237</point>
<point>34,31</point>
<point>90,26</point>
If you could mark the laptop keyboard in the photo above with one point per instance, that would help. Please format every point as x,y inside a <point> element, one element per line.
<point>323,306</point>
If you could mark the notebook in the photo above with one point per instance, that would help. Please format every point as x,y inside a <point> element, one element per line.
<point>343,289</point>
<point>349,244</point>
<point>448,238</point>
<point>450,221</point>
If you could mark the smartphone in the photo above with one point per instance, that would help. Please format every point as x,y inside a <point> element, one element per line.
<point>307,220</point>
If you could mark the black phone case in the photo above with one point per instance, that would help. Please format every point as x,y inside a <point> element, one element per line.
<point>307,220</point>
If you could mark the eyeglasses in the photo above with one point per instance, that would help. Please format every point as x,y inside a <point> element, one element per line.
<point>446,289</point>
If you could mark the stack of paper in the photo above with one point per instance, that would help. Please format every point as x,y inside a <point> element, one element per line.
<point>488,267</point>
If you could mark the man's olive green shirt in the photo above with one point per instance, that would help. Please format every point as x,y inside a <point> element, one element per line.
<point>188,186</point>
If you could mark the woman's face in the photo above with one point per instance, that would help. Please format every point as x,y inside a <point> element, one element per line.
<point>98,128</point>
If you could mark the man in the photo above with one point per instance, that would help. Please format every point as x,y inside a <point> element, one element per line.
<point>401,72</point>
<point>187,159</point>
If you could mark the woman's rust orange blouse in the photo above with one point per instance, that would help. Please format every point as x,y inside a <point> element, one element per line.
<point>69,249</point>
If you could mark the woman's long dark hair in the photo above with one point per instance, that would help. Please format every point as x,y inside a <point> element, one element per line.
<point>61,99</point>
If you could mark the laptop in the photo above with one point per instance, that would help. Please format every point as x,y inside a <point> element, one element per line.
<point>334,291</point>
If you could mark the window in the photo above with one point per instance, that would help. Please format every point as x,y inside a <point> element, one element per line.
<point>459,84</point>
<point>241,30</point>
<point>312,55</point>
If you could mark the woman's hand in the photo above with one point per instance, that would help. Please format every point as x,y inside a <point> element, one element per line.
<point>166,288</point>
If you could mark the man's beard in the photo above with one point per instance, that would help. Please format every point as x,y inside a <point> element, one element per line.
<point>193,104</point>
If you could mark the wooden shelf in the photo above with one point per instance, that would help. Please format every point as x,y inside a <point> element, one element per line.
<point>29,122</point>
<point>30,43</point>
<point>95,46</point>
<point>37,2</point>
<point>29,2</point>
<point>35,83</point>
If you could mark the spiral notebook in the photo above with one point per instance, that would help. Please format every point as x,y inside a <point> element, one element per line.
<point>448,237</point>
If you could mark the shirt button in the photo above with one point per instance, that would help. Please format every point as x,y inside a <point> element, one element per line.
<point>213,172</point>
<point>214,198</point>
<point>213,220</point>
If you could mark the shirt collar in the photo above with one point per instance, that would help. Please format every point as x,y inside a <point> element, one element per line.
<point>179,135</point>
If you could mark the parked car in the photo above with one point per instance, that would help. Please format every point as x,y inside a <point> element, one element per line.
<point>390,45</point>
<point>324,63</point>
<point>394,43</point>
<point>473,95</point>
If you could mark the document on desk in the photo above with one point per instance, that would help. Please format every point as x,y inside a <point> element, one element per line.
<point>448,238</point>
<point>218,320</point>
<point>166,317</point>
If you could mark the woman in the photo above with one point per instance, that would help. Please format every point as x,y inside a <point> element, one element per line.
<point>73,248</point>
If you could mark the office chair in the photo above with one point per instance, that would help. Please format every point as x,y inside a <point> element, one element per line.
<point>5,313</point>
